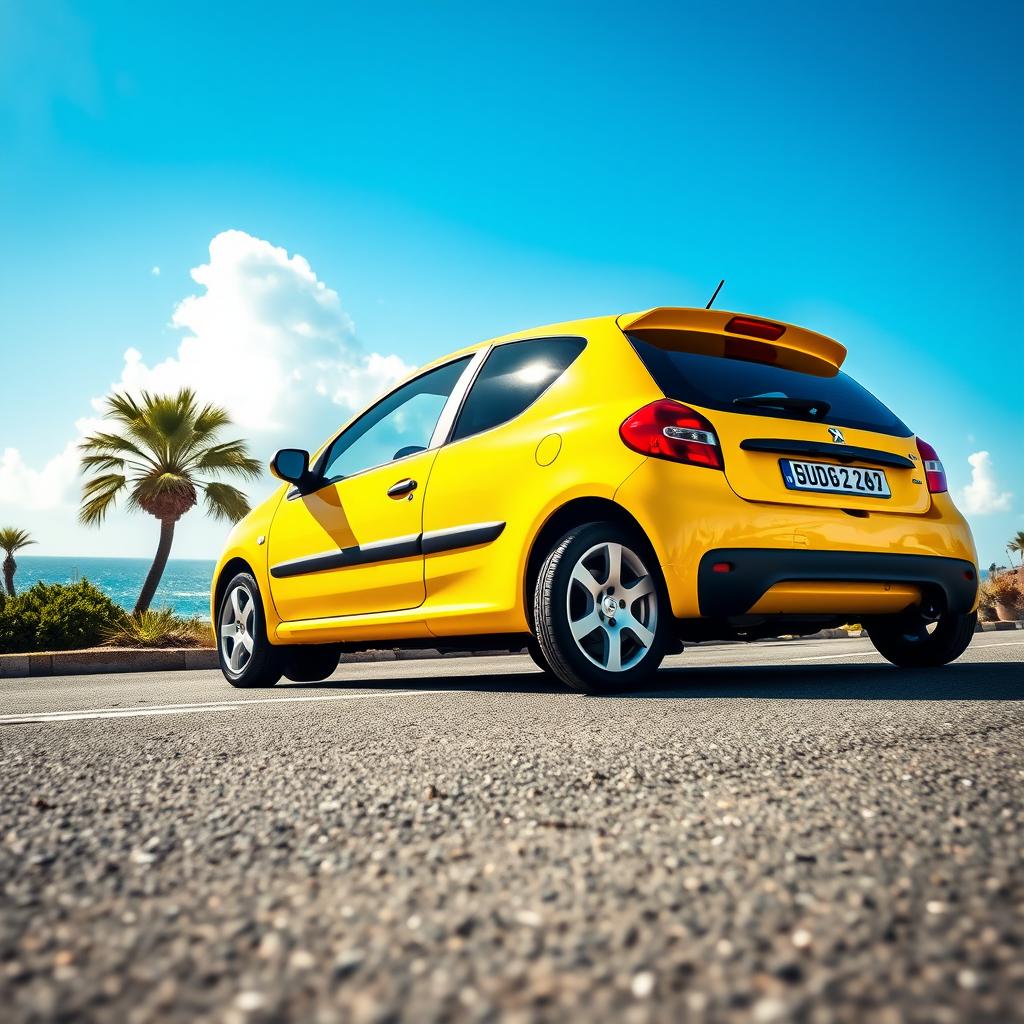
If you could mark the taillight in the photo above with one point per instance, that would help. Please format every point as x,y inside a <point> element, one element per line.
<point>755,328</point>
<point>670,430</point>
<point>933,471</point>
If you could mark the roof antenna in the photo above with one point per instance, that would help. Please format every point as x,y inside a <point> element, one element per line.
<point>715,296</point>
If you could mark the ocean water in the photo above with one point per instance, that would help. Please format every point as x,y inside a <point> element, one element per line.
<point>185,585</point>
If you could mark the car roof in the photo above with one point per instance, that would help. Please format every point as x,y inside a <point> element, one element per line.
<point>808,343</point>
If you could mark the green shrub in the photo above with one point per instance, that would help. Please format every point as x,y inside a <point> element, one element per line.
<point>56,617</point>
<point>158,628</point>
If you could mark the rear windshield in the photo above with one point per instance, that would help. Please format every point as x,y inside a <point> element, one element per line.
<point>717,381</point>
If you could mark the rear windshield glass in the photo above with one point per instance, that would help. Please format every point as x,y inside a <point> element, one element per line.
<point>716,382</point>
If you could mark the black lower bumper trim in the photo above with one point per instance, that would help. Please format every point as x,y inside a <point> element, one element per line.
<point>756,570</point>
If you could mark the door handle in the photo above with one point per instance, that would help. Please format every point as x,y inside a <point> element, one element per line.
<point>402,488</point>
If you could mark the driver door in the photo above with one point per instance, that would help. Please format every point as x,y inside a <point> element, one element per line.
<point>353,545</point>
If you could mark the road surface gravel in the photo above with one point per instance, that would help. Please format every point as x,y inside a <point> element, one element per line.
<point>776,832</point>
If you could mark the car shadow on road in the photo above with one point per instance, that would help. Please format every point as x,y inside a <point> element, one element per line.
<point>976,680</point>
<point>969,681</point>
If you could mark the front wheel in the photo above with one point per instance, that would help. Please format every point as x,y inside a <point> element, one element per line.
<point>537,655</point>
<point>912,642</point>
<point>600,609</point>
<point>247,658</point>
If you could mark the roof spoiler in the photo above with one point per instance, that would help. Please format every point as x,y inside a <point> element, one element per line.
<point>736,335</point>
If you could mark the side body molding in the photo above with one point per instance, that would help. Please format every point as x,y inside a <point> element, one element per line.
<point>393,548</point>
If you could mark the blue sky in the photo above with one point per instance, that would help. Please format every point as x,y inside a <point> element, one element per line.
<point>454,172</point>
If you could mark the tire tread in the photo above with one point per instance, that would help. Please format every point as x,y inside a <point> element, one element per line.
<point>546,626</point>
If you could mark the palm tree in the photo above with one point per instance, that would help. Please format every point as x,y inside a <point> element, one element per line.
<point>12,539</point>
<point>157,457</point>
<point>1017,544</point>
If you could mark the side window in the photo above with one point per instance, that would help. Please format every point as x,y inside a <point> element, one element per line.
<point>513,378</point>
<point>397,425</point>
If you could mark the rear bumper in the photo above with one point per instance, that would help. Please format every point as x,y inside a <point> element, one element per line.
<point>688,511</point>
<point>754,571</point>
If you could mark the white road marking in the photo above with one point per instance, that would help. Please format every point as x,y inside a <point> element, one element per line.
<point>191,709</point>
<point>235,705</point>
<point>874,653</point>
<point>866,652</point>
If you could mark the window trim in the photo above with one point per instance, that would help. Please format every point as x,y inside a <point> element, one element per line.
<point>450,413</point>
<point>450,439</point>
<point>432,444</point>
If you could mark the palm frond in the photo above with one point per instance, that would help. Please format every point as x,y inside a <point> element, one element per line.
<point>103,463</point>
<point>209,421</point>
<point>113,444</point>
<point>231,457</point>
<point>160,450</point>
<point>172,417</point>
<point>225,502</point>
<point>13,539</point>
<point>99,496</point>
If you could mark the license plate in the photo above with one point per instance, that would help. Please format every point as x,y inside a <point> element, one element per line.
<point>821,476</point>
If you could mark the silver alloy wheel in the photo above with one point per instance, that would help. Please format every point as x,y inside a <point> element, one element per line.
<point>237,625</point>
<point>612,604</point>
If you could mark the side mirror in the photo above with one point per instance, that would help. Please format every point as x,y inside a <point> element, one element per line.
<point>292,466</point>
<point>409,449</point>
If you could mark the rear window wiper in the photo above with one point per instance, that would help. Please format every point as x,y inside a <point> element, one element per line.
<point>816,407</point>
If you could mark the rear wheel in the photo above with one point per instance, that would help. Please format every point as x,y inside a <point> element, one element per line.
<point>310,663</point>
<point>601,613</point>
<point>910,641</point>
<point>247,657</point>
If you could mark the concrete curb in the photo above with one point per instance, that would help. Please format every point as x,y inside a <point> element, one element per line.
<point>106,659</point>
<point>169,659</point>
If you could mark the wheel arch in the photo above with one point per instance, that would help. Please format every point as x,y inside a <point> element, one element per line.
<point>574,513</point>
<point>231,568</point>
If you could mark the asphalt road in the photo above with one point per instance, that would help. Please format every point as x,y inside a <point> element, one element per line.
<point>788,831</point>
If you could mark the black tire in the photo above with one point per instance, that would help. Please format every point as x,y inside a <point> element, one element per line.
<point>537,655</point>
<point>247,658</point>
<point>562,600</point>
<point>908,643</point>
<point>310,663</point>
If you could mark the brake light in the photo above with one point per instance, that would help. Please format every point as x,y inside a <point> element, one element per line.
<point>933,471</point>
<point>755,328</point>
<point>671,430</point>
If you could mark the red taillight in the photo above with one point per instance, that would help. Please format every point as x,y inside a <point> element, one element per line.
<point>755,328</point>
<point>670,430</point>
<point>933,471</point>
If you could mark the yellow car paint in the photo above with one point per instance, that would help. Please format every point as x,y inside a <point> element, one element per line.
<point>565,447</point>
<point>796,348</point>
<point>355,511</point>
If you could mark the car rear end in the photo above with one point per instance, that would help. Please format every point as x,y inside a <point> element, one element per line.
<point>779,490</point>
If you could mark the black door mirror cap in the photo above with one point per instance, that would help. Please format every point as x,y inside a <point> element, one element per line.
<point>292,466</point>
<point>409,449</point>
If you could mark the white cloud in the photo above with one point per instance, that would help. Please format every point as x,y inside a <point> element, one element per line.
<point>265,338</point>
<point>35,489</point>
<point>982,496</point>
<point>155,271</point>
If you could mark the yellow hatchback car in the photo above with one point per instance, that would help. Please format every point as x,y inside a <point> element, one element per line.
<point>602,492</point>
